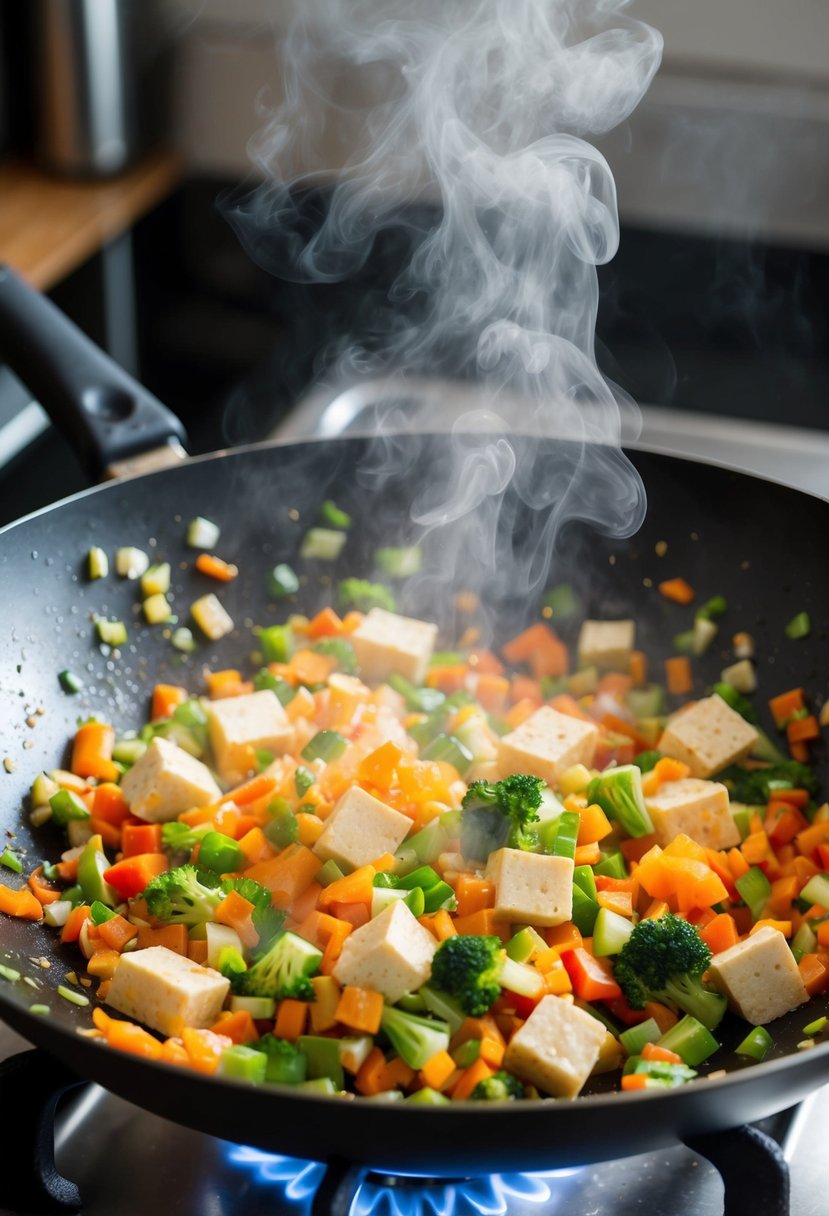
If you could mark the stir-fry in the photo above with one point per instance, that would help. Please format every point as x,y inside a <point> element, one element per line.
<point>368,867</point>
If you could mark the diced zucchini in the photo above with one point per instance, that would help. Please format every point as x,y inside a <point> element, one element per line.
<point>157,609</point>
<point>322,544</point>
<point>211,617</point>
<point>97,563</point>
<point>202,533</point>
<point>156,580</point>
<point>131,562</point>
<point>111,633</point>
<point>183,640</point>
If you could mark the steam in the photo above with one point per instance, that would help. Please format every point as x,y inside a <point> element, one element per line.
<point>481,106</point>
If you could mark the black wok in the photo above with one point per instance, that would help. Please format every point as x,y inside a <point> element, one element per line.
<point>756,542</point>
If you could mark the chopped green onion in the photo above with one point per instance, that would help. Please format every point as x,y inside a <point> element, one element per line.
<point>755,890</point>
<point>111,633</point>
<point>69,994</point>
<point>756,1045</point>
<point>326,745</point>
<point>69,682</point>
<point>202,533</point>
<point>816,1027</point>
<point>562,602</point>
<point>11,861</point>
<point>333,517</point>
<point>280,582</point>
<point>322,544</point>
<point>399,563</point>
<point>40,1010</point>
<point>9,973</point>
<point>156,580</point>
<point>799,626</point>
<point>97,563</point>
<point>131,562</point>
<point>328,873</point>
<point>303,780</point>
<point>716,606</point>
<point>183,640</point>
<point>211,617</point>
<point>635,1037</point>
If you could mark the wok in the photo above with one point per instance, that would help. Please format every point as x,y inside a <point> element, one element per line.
<point>750,540</point>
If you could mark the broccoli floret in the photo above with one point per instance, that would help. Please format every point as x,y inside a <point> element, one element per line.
<point>755,787</point>
<point>282,970</point>
<point>363,595</point>
<point>181,838</point>
<point>662,960</point>
<point>184,896</point>
<point>618,791</point>
<point>415,1039</point>
<point>468,967</point>
<point>500,813</point>
<point>500,1087</point>
<point>287,1065</point>
<point>267,920</point>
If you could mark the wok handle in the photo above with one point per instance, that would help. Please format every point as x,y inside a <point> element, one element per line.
<point>104,414</point>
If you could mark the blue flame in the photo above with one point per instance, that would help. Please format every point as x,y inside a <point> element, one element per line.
<point>492,1195</point>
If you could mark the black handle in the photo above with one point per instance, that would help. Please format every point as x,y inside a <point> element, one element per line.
<point>104,414</point>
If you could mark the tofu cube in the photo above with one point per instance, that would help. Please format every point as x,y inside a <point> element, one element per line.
<point>759,976</point>
<point>167,780</point>
<point>240,726</point>
<point>708,736</point>
<point>385,642</point>
<point>531,888</point>
<point>606,644</point>
<point>556,1048</point>
<point>547,744</point>
<point>166,991</point>
<point>700,809</point>
<point>361,828</point>
<point>392,954</point>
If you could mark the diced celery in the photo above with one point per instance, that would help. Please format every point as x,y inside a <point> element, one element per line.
<point>100,913</point>
<point>755,890</point>
<point>127,751</point>
<point>584,682</point>
<point>741,815</point>
<point>277,642</point>
<point>428,1097</point>
<point>635,1037</point>
<point>320,1085</point>
<point>646,702</point>
<point>444,1007</point>
<point>817,1027</point>
<point>325,745</point>
<point>211,617</point>
<point>202,533</point>
<point>583,877</point>
<point>412,1002</point>
<point>219,938</point>
<point>610,933</point>
<point>756,1045</point>
<point>702,636</point>
<point>156,580</point>
<point>816,890</point>
<point>525,944</point>
<point>243,1064</point>
<point>328,872</point>
<point>333,516</point>
<point>585,911</point>
<point>282,690</point>
<point>322,544</point>
<point>520,978</point>
<point>131,562</point>
<point>804,941</point>
<point>566,837</point>
<point>67,806</point>
<point>9,973</point>
<point>716,606</point>
<point>97,562</point>
<point>399,562</point>
<point>70,994</point>
<point>157,609</point>
<point>354,1051</point>
<point>429,842</point>
<point>612,865</point>
<point>323,1056</point>
<point>690,1040</point>
<point>449,749</point>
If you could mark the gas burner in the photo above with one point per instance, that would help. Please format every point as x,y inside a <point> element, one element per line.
<point>312,1188</point>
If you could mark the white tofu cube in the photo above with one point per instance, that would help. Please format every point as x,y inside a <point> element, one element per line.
<point>556,1048</point>
<point>166,991</point>
<point>165,781</point>
<point>385,642</point>
<point>531,888</point>
<point>241,726</point>
<point>606,644</point>
<point>700,809</point>
<point>547,744</point>
<point>708,736</point>
<point>361,828</point>
<point>759,976</point>
<point>392,954</point>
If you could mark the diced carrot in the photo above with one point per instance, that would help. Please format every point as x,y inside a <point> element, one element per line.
<point>373,1076</point>
<point>482,924</point>
<point>75,921</point>
<point>214,567</point>
<point>357,887</point>
<point>541,647</point>
<point>492,691</point>
<point>720,933</point>
<point>251,791</point>
<point>103,963</point>
<point>174,937</point>
<point>204,1048</point>
<point>634,1081</point>
<point>448,678</point>
<point>794,797</point>
<point>110,804</point>
<point>565,704</point>
<point>767,922</point>
<point>166,698</point>
<point>325,624</point>
<point>237,913</point>
<point>808,840</point>
<point>799,751</point>
<point>437,1070</point>
<point>801,730</point>
<point>238,1026</point>
<point>308,667</point>
<point>256,847</point>
<point>226,683</point>
<point>473,894</point>
<point>92,752</point>
<point>521,710</point>
<point>174,1052</point>
<point>563,937</point>
<point>678,675</point>
<point>288,874</point>
<point>785,704</point>
<point>140,838</point>
<point>379,767</point>
<point>126,1036</point>
<point>823,935</point>
<point>588,854</point>
<point>622,1010</point>
<point>655,909</point>
<point>783,822</point>
<point>291,1017</point>
<point>21,902</point>
<point>556,979</point>
<point>109,833</point>
<point>592,978</point>
<point>130,876</point>
<point>197,952</point>
<point>469,1078</point>
<point>309,828</point>
<point>399,1074</point>
<point>360,1009</point>
<point>356,914</point>
<point>443,925</point>
<point>594,824</point>
<point>814,971</point>
<point>117,931</point>
<point>638,667</point>
<point>651,1051</point>
<point>784,891</point>
<point>664,1017</point>
<point>334,945</point>
<point>620,902</point>
<point>677,590</point>
<point>42,890</point>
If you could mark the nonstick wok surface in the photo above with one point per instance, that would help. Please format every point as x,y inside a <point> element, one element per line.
<point>755,542</point>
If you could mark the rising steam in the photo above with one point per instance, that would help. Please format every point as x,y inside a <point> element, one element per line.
<point>481,106</point>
